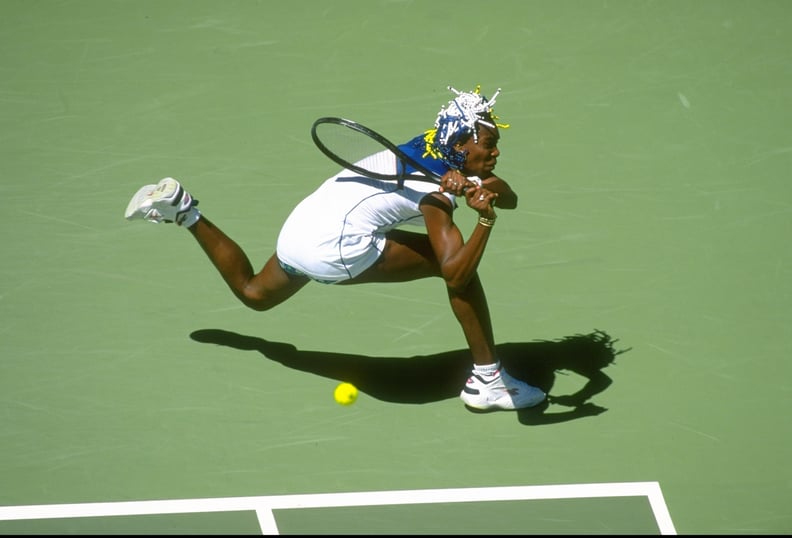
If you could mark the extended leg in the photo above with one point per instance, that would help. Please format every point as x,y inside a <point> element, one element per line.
<point>167,201</point>
<point>259,291</point>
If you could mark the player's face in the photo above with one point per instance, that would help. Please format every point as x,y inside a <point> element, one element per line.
<point>482,156</point>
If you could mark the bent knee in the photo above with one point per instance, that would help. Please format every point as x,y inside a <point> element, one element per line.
<point>459,287</point>
<point>254,299</point>
<point>262,299</point>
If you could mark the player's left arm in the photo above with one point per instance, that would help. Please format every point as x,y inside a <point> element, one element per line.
<point>507,198</point>
<point>457,258</point>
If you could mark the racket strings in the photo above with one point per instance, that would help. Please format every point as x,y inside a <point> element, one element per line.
<point>362,150</point>
<point>350,146</point>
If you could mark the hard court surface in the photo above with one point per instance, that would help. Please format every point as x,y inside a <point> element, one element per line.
<point>645,279</point>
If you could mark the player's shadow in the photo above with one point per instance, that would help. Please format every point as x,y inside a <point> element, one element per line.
<point>428,378</point>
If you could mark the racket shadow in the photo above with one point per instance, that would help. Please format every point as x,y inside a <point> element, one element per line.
<point>423,379</point>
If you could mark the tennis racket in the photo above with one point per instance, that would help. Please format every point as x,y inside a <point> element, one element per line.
<point>366,152</point>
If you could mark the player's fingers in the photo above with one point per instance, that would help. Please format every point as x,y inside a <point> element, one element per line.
<point>451,181</point>
<point>481,197</point>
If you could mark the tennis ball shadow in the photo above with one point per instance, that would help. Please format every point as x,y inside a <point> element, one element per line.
<point>422,379</point>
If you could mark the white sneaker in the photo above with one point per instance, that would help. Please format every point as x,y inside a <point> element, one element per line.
<point>500,391</point>
<point>167,201</point>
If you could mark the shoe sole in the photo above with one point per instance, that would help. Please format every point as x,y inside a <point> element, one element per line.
<point>133,208</point>
<point>152,194</point>
<point>486,406</point>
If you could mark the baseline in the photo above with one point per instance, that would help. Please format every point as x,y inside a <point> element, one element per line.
<point>264,505</point>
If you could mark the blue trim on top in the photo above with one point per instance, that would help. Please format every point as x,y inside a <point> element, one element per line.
<point>415,149</point>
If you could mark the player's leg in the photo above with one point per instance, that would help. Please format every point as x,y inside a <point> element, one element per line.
<point>406,256</point>
<point>472,311</point>
<point>409,256</point>
<point>259,291</point>
<point>168,201</point>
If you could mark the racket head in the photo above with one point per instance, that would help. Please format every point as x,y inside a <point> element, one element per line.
<point>358,148</point>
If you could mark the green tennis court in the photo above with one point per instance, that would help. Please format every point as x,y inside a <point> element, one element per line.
<point>645,280</point>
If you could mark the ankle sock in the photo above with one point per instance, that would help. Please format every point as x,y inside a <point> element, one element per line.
<point>487,369</point>
<point>191,217</point>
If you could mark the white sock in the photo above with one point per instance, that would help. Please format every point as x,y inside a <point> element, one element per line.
<point>487,369</point>
<point>191,217</point>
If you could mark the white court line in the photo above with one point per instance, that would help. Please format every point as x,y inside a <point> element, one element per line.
<point>264,505</point>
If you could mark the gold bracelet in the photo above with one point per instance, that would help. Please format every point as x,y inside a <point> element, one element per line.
<point>484,221</point>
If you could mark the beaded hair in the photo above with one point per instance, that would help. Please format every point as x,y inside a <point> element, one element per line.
<point>456,122</point>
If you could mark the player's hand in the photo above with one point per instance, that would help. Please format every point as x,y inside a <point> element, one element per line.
<point>456,183</point>
<point>482,200</point>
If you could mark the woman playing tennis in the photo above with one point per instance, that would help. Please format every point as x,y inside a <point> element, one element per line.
<point>353,230</point>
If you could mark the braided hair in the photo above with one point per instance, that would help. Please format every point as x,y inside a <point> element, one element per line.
<point>457,122</point>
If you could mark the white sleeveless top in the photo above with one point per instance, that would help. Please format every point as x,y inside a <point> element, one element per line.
<point>338,231</point>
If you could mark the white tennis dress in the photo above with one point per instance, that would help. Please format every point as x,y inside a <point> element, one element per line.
<point>338,231</point>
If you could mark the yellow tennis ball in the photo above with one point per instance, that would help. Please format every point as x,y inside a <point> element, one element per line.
<point>345,393</point>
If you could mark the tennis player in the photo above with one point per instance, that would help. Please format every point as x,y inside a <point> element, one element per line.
<point>354,230</point>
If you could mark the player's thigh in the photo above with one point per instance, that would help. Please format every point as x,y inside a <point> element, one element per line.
<point>407,256</point>
<point>272,285</point>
